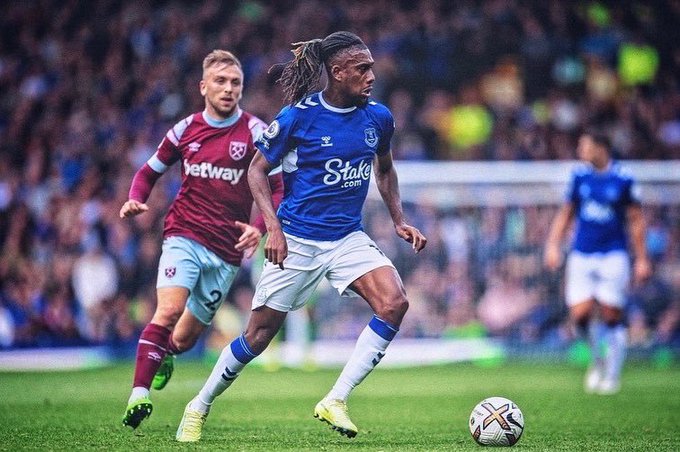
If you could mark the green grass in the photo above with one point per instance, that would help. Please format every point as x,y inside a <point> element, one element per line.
<point>396,409</point>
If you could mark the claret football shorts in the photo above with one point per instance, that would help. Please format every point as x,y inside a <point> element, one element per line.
<point>600,276</point>
<point>340,261</point>
<point>186,263</point>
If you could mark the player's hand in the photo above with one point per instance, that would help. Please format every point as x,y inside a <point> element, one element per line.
<point>552,258</point>
<point>249,240</point>
<point>412,235</point>
<point>642,269</point>
<point>132,208</point>
<point>276,247</point>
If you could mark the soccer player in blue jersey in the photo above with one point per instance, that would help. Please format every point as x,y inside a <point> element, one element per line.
<point>604,200</point>
<point>327,143</point>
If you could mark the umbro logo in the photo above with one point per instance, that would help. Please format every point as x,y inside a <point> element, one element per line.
<point>193,146</point>
<point>326,141</point>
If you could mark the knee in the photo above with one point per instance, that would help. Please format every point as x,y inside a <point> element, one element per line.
<point>259,337</point>
<point>581,320</point>
<point>611,319</point>
<point>394,309</point>
<point>167,315</point>
<point>581,315</point>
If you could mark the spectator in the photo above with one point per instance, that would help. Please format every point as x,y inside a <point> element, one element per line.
<point>84,97</point>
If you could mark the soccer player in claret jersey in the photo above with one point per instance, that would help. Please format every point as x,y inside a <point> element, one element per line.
<point>326,142</point>
<point>207,228</point>
<point>604,200</point>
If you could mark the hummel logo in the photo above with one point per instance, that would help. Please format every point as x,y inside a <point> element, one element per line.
<point>307,102</point>
<point>193,146</point>
<point>228,375</point>
<point>326,141</point>
<point>377,359</point>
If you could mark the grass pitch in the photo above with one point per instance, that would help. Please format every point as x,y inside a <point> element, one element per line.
<point>424,408</point>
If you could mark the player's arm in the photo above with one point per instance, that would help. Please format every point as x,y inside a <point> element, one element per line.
<point>145,178</point>
<point>142,184</point>
<point>642,267</point>
<point>252,233</point>
<point>388,186</point>
<point>558,229</point>
<point>275,248</point>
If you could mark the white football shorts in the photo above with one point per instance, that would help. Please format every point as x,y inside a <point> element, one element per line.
<point>600,276</point>
<point>341,261</point>
<point>186,263</point>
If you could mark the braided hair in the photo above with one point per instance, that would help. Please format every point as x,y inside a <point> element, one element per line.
<point>302,74</point>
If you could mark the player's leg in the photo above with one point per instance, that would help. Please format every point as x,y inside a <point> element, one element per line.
<point>614,274</point>
<point>580,297</point>
<point>359,265</point>
<point>277,292</point>
<point>183,338</point>
<point>178,271</point>
<point>209,292</point>
<point>616,342</point>
<point>262,326</point>
<point>383,290</point>
<point>587,326</point>
<point>151,350</point>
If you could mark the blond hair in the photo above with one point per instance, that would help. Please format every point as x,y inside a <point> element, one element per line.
<point>219,56</point>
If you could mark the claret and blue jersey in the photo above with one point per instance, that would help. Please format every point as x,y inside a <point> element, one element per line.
<point>326,154</point>
<point>600,199</point>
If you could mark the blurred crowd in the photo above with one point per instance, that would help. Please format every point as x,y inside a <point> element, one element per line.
<point>89,88</point>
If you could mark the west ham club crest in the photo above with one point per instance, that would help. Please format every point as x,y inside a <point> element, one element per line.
<point>170,272</point>
<point>237,149</point>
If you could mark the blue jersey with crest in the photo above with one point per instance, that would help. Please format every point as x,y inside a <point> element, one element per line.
<point>326,154</point>
<point>601,199</point>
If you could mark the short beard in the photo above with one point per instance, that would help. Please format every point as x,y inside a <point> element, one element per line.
<point>225,114</point>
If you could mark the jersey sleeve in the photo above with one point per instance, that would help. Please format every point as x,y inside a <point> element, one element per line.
<point>257,128</point>
<point>572,192</point>
<point>632,193</point>
<point>387,125</point>
<point>166,155</point>
<point>276,141</point>
<point>145,178</point>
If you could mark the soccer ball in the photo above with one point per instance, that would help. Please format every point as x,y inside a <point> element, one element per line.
<point>496,421</point>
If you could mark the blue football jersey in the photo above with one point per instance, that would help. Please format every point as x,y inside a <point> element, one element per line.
<point>600,199</point>
<point>326,154</point>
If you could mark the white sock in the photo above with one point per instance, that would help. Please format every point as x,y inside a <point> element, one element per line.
<point>616,340</point>
<point>596,332</point>
<point>233,359</point>
<point>138,393</point>
<point>368,351</point>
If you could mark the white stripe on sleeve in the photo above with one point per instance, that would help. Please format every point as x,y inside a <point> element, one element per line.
<point>155,163</point>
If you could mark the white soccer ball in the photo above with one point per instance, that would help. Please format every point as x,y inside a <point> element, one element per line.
<point>496,421</point>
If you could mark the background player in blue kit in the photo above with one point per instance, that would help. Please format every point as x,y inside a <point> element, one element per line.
<point>327,144</point>
<point>604,200</point>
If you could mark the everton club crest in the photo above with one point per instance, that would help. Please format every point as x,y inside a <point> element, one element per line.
<point>370,137</point>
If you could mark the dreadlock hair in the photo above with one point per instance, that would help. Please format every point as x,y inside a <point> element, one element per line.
<point>302,74</point>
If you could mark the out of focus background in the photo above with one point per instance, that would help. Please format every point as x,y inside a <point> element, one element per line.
<point>489,99</point>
